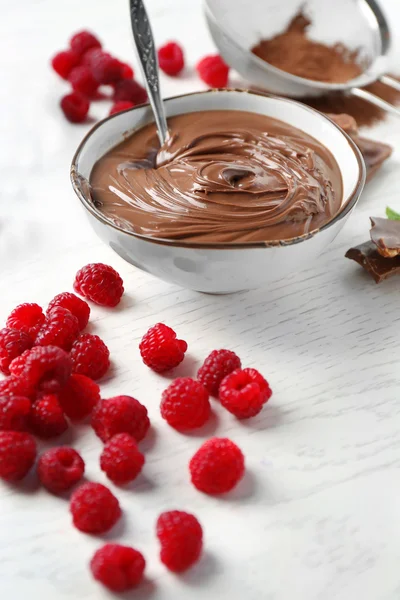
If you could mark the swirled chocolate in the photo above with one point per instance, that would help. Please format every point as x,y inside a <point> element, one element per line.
<point>224,176</point>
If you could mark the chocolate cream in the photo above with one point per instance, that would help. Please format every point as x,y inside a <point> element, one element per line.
<point>224,176</point>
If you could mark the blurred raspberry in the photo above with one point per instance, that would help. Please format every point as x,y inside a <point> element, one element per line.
<point>59,469</point>
<point>75,107</point>
<point>170,58</point>
<point>120,106</point>
<point>47,418</point>
<point>105,68</point>
<point>26,317</point>
<point>99,283</point>
<point>17,386</point>
<point>63,62</point>
<point>121,459</point>
<point>160,349</point>
<point>78,397</point>
<point>12,344</point>
<point>17,454</point>
<point>94,508</point>
<point>118,568</point>
<point>121,414</point>
<point>90,356</point>
<point>78,307</point>
<point>181,538</point>
<point>127,71</point>
<point>82,81</point>
<point>213,71</point>
<point>61,328</point>
<point>131,90</point>
<point>185,404</point>
<point>14,413</point>
<point>82,41</point>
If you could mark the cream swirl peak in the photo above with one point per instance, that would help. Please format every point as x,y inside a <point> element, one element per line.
<point>225,176</point>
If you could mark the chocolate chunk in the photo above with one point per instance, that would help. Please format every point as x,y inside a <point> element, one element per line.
<point>375,264</point>
<point>386,236</point>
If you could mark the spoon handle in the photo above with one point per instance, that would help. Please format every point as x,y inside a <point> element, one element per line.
<point>144,41</point>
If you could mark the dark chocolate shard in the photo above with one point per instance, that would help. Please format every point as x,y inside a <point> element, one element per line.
<point>375,264</point>
<point>386,236</point>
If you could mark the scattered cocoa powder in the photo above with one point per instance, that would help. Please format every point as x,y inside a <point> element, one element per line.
<point>293,52</point>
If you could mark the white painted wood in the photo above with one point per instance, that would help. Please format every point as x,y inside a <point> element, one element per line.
<point>317,517</point>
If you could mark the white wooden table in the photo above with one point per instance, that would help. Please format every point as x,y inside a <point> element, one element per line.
<point>317,516</point>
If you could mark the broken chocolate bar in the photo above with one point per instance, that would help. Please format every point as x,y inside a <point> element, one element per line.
<point>386,236</point>
<point>375,264</point>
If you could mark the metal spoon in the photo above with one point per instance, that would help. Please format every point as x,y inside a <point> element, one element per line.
<point>145,47</point>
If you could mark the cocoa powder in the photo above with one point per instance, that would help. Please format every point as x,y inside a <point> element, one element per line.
<point>293,52</point>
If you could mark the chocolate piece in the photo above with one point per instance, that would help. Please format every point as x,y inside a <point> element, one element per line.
<point>386,236</point>
<point>225,176</point>
<point>377,266</point>
<point>374,153</point>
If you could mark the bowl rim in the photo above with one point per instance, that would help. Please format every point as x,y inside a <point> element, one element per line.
<point>350,203</point>
<point>368,76</point>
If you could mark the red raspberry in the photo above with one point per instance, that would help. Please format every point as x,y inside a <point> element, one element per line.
<point>64,62</point>
<point>82,81</point>
<point>120,106</point>
<point>61,328</point>
<point>18,364</point>
<point>94,508</point>
<point>244,393</point>
<point>127,71</point>
<point>17,386</point>
<point>217,466</point>
<point>217,365</point>
<point>213,71</point>
<point>78,397</point>
<point>26,317</point>
<point>121,459</point>
<point>121,414</point>
<point>170,58</point>
<point>12,344</point>
<point>89,55</point>
<point>118,568</point>
<point>14,413</point>
<point>78,307</point>
<point>47,417</point>
<point>60,468</point>
<point>181,538</point>
<point>75,107</point>
<point>47,368</point>
<point>90,356</point>
<point>129,89</point>
<point>100,284</point>
<point>160,350</point>
<point>105,68</point>
<point>185,404</point>
<point>17,454</point>
<point>82,41</point>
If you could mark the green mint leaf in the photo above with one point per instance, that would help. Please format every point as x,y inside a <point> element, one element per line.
<point>392,214</point>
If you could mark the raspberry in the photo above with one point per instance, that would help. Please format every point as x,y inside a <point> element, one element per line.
<point>12,344</point>
<point>26,317</point>
<point>17,454</point>
<point>47,368</point>
<point>185,404</point>
<point>75,107</point>
<point>14,413</point>
<point>17,386</point>
<point>160,350</point>
<point>121,459</point>
<point>105,68</point>
<point>121,414</point>
<point>119,568</point>
<point>94,508</point>
<point>18,364</point>
<point>78,307</point>
<point>217,466</point>
<point>60,329</point>
<point>170,58</point>
<point>217,365</point>
<point>244,393</point>
<point>90,356</point>
<point>78,397</point>
<point>213,71</point>
<point>47,417</point>
<point>127,71</point>
<point>60,468</point>
<point>89,55</point>
<point>120,106</point>
<point>82,81</point>
<point>64,62</point>
<point>100,284</point>
<point>181,538</point>
<point>82,41</point>
<point>129,89</point>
